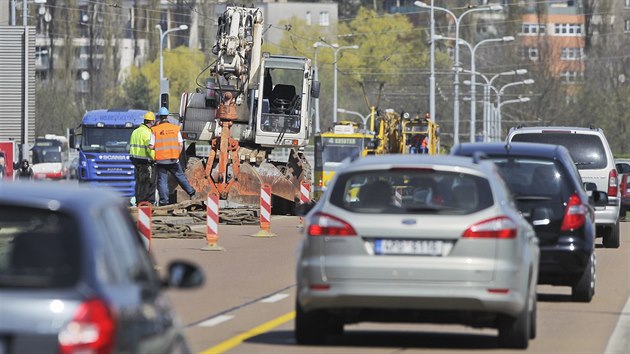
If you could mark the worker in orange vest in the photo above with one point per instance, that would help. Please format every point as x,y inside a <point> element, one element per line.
<point>167,142</point>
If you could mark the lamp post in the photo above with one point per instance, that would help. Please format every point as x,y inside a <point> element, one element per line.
<point>164,85</point>
<point>363,118</point>
<point>457,20</point>
<point>499,105</point>
<point>317,45</point>
<point>337,50</point>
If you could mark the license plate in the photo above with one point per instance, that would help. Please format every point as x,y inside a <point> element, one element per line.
<point>409,247</point>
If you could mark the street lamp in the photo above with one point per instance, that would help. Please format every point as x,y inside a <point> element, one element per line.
<point>499,105</point>
<point>363,118</point>
<point>164,86</point>
<point>337,50</point>
<point>456,82</point>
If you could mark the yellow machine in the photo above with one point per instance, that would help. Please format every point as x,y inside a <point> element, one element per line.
<point>388,139</point>
<point>333,147</point>
<point>415,130</point>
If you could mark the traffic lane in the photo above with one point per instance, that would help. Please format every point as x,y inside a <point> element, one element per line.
<point>563,326</point>
<point>248,269</point>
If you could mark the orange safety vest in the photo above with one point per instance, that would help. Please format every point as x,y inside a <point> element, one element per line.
<point>166,142</point>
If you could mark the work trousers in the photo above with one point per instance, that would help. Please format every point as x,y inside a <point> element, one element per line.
<point>176,170</point>
<point>146,182</point>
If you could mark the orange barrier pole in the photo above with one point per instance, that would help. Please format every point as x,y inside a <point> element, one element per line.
<point>212,223</point>
<point>144,223</point>
<point>305,197</point>
<point>265,212</point>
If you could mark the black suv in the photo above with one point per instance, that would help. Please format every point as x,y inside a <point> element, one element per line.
<point>549,192</point>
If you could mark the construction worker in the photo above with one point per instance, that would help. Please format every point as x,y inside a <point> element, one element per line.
<point>168,143</point>
<point>424,148</point>
<point>143,159</point>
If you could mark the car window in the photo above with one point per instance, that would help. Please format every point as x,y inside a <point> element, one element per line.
<point>587,150</point>
<point>412,191</point>
<point>530,176</point>
<point>132,256</point>
<point>39,248</point>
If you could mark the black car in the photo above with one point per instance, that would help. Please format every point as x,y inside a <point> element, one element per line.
<point>75,276</point>
<point>549,192</point>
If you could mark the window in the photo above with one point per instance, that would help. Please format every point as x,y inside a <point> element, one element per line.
<point>530,53</point>
<point>570,77</point>
<point>308,18</point>
<point>626,26</point>
<point>571,53</point>
<point>627,4</point>
<point>324,20</point>
<point>532,29</point>
<point>567,29</point>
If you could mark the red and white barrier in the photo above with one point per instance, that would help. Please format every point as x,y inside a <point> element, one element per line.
<point>305,192</point>
<point>398,196</point>
<point>265,212</point>
<point>144,223</point>
<point>212,223</point>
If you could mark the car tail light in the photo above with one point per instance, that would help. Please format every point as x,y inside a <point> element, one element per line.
<point>574,215</point>
<point>500,227</point>
<point>91,330</point>
<point>612,183</point>
<point>328,225</point>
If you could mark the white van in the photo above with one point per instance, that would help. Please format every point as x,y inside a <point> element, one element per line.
<point>595,162</point>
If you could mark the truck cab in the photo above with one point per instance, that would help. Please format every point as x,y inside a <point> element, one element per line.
<point>102,140</point>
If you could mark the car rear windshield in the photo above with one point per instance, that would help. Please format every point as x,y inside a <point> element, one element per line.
<point>587,150</point>
<point>39,248</point>
<point>412,191</point>
<point>528,177</point>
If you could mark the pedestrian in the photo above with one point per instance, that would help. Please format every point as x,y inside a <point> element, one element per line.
<point>168,143</point>
<point>25,171</point>
<point>143,159</point>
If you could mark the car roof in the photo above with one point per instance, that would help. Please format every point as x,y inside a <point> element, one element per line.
<point>56,196</point>
<point>399,160</point>
<point>516,148</point>
<point>556,128</point>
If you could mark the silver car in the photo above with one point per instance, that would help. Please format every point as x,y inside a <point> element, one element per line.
<point>417,239</point>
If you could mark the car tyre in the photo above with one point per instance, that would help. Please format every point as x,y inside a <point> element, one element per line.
<point>310,327</point>
<point>611,237</point>
<point>514,332</point>
<point>584,289</point>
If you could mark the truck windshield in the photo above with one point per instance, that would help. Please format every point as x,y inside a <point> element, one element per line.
<point>106,139</point>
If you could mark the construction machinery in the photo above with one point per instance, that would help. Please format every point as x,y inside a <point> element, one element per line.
<point>252,104</point>
<point>415,130</point>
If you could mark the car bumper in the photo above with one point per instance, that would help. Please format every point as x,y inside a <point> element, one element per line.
<point>393,296</point>
<point>608,215</point>
<point>563,263</point>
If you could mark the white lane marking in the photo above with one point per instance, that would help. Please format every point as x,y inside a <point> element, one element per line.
<point>619,341</point>
<point>274,298</point>
<point>215,321</point>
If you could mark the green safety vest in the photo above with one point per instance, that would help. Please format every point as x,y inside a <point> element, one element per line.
<point>139,143</point>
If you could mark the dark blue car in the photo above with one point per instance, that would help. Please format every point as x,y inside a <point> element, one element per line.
<point>549,192</point>
<point>75,276</point>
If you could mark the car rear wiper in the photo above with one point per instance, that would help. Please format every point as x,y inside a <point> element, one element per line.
<point>584,163</point>
<point>531,197</point>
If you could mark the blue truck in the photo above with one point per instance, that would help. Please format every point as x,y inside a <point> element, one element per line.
<point>102,139</point>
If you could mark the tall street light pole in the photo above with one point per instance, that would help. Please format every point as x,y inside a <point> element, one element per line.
<point>164,85</point>
<point>456,82</point>
<point>499,105</point>
<point>337,50</point>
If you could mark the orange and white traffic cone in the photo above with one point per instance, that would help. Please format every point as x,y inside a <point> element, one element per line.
<point>265,212</point>
<point>212,223</point>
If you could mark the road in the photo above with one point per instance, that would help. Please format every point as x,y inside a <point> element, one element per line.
<point>247,303</point>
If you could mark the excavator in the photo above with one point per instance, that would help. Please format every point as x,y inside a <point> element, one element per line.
<point>252,106</point>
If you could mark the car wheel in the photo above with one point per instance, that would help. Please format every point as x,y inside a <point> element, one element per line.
<point>310,327</point>
<point>514,332</point>
<point>532,320</point>
<point>584,289</point>
<point>611,237</point>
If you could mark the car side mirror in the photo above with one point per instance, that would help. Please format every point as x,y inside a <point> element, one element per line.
<point>315,87</point>
<point>303,209</point>
<point>623,167</point>
<point>599,198</point>
<point>184,275</point>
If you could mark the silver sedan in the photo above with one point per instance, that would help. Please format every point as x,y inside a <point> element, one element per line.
<point>417,239</point>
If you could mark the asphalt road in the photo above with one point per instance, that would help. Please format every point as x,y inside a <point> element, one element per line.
<point>247,303</point>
